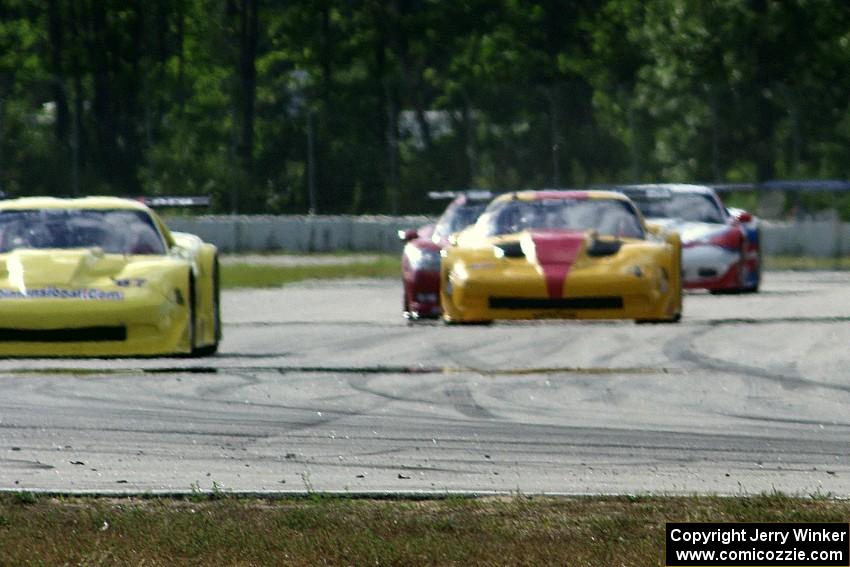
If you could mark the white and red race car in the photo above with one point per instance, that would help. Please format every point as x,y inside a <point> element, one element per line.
<point>720,247</point>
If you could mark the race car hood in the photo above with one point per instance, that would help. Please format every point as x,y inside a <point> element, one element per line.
<point>556,251</point>
<point>27,269</point>
<point>689,231</point>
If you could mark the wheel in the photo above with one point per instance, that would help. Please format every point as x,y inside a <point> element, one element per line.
<point>742,271</point>
<point>482,323</point>
<point>405,306</point>
<point>675,319</point>
<point>755,287</point>
<point>211,349</point>
<point>191,318</point>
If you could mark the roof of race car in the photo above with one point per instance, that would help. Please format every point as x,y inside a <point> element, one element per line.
<point>29,203</point>
<point>666,187</point>
<point>561,194</point>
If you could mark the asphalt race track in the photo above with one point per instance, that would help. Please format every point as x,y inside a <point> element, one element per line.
<point>323,387</point>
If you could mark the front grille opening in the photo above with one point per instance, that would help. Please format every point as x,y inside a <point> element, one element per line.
<point>602,302</point>
<point>707,272</point>
<point>78,335</point>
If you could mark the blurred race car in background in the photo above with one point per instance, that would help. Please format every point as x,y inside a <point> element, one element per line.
<point>721,249</point>
<point>562,254</point>
<point>103,276</point>
<point>420,260</point>
<point>751,224</point>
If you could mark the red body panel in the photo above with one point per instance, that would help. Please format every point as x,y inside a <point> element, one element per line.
<point>421,287</point>
<point>728,281</point>
<point>556,251</point>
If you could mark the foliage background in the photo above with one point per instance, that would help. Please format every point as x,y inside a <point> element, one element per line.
<point>386,100</point>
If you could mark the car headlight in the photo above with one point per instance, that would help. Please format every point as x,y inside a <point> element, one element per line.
<point>426,260</point>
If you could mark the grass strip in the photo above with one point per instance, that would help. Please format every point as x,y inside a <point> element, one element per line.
<point>225,530</point>
<point>255,275</point>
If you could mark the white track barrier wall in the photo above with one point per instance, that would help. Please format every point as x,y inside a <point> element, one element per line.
<point>299,233</point>
<point>380,234</point>
<point>824,239</point>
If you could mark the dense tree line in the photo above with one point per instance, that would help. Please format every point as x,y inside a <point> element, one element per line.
<point>365,105</point>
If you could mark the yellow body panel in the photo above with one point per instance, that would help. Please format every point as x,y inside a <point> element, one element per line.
<point>84,302</point>
<point>641,281</point>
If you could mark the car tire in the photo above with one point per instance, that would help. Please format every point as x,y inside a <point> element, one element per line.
<point>674,319</point>
<point>190,306</point>
<point>482,323</point>
<point>755,288</point>
<point>742,272</point>
<point>211,349</point>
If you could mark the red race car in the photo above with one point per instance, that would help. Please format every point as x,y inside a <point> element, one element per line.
<point>420,260</point>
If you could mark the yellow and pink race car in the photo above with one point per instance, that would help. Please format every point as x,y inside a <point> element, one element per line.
<point>562,254</point>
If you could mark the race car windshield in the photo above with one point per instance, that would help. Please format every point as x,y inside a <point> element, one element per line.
<point>119,231</point>
<point>653,208</point>
<point>458,218</point>
<point>606,216</point>
<point>695,207</point>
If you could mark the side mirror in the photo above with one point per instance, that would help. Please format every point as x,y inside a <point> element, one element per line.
<point>653,229</point>
<point>745,217</point>
<point>179,251</point>
<point>408,235</point>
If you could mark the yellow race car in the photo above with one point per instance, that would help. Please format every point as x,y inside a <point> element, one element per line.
<point>103,276</point>
<point>562,254</point>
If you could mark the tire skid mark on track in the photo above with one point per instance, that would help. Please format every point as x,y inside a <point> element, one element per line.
<point>774,320</point>
<point>154,411</point>
<point>333,462</point>
<point>416,393</point>
<point>685,322</point>
<point>784,292</point>
<point>342,342</point>
<point>460,396</point>
<point>24,464</point>
<point>679,349</point>
<point>561,437</point>
<point>247,380</point>
<point>246,371</point>
<point>625,348</point>
<point>775,419</point>
<point>252,416</point>
<point>126,430</point>
<point>323,323</point>
<point>410,391</point>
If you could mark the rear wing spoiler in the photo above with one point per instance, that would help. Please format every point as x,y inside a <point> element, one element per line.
<point>158,202</point>
<point>645,193</point>
<point>650,190</point>
<point>823,185</point>
<point>471,194</point>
